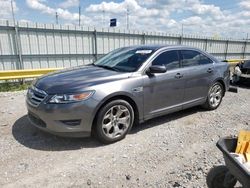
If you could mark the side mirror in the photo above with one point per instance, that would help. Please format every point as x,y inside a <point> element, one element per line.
<point>157,69</point>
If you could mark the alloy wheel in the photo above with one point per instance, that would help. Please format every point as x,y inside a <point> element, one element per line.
<point>116,121</point>
<point>215,95</point>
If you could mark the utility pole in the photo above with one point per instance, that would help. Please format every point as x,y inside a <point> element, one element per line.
<point>17,40</point>
<point>79,13</point>
<point>12,12</point>
<point>103,18</point>
<point>245,47</point>
<point>56,18</point>
<point>127,18</point>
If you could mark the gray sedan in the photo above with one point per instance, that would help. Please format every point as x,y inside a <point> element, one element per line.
<point>127,86</point>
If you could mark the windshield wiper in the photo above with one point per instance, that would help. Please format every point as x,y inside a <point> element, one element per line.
<point>107,67</point>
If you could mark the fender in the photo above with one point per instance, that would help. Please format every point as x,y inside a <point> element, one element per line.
<point>117,95</point>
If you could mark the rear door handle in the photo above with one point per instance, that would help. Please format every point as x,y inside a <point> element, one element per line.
<point>209,70</point>
<point>178,75</point>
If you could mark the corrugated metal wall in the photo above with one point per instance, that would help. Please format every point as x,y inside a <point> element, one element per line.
<point>34,45</point>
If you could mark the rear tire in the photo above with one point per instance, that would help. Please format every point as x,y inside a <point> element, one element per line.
<point>214,96</point>
<point>217,177</point>
<point>113,122</point>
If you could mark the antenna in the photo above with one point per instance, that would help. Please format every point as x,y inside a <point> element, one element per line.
<point>56,18</point>
<point>79,13</point>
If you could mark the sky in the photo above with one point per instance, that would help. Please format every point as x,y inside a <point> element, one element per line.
<point>220,18</point>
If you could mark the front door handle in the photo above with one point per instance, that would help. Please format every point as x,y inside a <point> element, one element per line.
<point>209,70</point>
<point>178,75</point>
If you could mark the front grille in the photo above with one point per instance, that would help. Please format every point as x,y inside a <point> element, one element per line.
<point>36,96</point>
<point>37,121</point>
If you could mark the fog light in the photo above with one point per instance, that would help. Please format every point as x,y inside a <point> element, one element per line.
<point>73,122</point>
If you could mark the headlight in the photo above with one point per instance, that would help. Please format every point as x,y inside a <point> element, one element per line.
<point>69,98</point>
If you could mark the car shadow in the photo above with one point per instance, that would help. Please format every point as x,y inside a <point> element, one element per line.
<point>243,85</point>
<point>165,119</point>
<point>29,136</point>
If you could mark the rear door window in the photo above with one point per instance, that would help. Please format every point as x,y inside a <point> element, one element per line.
<point>194,58</point>
<point>204,60</point>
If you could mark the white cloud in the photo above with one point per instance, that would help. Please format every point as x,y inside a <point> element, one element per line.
<point>62,13</point>
<point>69,3</point>
<point>25,21</point>
<point>6,8</point>
<point>245,4</point>
<point>120,8</point>
<point>211,10</point>
<point>113,7</point>
<point>194,20</point>
<point>156,15</point>
<point>38,5</point>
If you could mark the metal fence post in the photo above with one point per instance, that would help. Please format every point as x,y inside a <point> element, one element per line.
<point>180,39</point>
<point>244,49</point>
<point>143,38</point>
<point>17,46</point>
<point>95,45</point>
<point>206,43</point>
<point>226,49</point>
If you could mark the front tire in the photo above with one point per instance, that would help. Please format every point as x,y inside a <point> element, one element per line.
<point>214,97</point>
<point>113,122</point>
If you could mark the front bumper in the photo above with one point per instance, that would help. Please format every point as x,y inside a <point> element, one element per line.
<point>56,118</point>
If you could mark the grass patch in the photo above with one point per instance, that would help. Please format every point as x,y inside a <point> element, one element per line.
<point>14,86</point>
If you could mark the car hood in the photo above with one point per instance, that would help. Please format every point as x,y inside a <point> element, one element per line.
<point>77,79</point>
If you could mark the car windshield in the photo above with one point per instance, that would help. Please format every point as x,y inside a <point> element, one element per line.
<point>124,59</point>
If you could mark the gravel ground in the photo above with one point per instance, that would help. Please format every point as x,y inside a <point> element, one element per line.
<point>176,150</point>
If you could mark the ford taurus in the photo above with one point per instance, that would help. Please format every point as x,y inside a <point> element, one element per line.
<point>127,86</point>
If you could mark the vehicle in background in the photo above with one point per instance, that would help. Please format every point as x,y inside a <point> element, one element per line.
<point>241,72</point>
<point>127,86</point>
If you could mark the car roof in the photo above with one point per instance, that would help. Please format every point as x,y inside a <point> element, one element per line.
<point>158,47</point>
<point>155,48</point>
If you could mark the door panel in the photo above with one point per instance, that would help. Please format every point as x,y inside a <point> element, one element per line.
<point>163,93</point>
<point>198,73</point>
<point>197,82</point>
